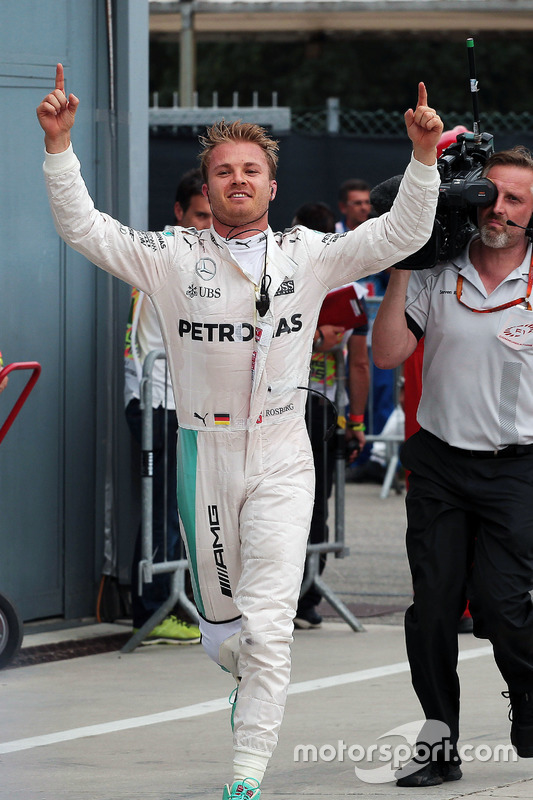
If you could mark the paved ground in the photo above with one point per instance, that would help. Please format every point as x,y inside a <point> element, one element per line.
<point>154,724</point>
<point>375,577</point>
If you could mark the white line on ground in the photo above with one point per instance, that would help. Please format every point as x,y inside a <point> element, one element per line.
<point>210,706</point>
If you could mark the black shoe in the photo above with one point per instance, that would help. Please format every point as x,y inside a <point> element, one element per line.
<point>431,774</point>
<point>307,618</point>
<point>521,716</point>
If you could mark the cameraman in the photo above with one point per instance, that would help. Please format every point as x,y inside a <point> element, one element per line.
<point>469,509</point>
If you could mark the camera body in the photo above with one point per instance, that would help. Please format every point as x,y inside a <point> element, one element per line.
<point>462,191</point>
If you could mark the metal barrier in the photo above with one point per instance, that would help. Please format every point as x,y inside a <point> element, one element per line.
<point>393,461</point>
<point>147,567</point>
<point>337,546</point>
<point>274,116</point>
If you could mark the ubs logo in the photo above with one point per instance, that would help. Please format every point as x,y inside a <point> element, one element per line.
<point>206,269</point>
<point>202,291</point>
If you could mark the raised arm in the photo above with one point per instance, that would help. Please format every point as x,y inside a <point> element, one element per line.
<point>392,341</point>
<point>424,128</point>
<point>56,115</point>
<point>142,259</point>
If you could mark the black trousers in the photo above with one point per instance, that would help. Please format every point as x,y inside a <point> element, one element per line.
<point>469,535</point>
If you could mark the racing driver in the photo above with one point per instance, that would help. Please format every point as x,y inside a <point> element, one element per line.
<point>238,307</point>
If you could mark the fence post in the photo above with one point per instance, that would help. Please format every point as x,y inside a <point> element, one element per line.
<point>333,114</point>
<point>187,55</point>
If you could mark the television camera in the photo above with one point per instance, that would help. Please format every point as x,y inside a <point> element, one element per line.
<point>462,191</point>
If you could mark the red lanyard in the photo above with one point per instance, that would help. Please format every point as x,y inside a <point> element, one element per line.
<point>511,303</point>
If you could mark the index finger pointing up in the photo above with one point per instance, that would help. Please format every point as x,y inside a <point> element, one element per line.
<point>422,94</point>
<point>60,78</point>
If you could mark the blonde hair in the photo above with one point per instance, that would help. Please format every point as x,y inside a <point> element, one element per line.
<point>223,132</point>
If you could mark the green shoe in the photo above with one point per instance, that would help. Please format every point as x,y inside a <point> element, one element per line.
<point>248,789</point>
<point>172,631</point>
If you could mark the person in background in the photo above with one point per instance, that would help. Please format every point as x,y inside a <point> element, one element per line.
<point>143,335</point>
<point>354,204</point>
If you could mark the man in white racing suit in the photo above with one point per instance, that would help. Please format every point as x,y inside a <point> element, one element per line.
<point>238,307</point>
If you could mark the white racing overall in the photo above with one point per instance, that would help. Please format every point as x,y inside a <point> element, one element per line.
<point>245,467</point>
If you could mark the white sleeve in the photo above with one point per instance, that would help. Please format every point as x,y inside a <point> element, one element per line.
<point>140,258</point>
<point>381,242</point>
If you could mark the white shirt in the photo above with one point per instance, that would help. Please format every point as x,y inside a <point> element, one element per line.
<point>250,254</point>
<point>477,390</point>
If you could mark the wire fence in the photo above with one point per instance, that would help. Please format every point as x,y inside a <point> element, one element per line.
<point>391,123</point>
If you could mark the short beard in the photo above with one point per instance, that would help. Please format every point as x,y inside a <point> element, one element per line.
<point>497,240</point>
